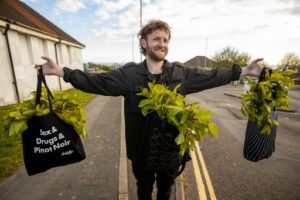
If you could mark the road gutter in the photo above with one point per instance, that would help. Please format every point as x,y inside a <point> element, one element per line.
<point>123,178</point>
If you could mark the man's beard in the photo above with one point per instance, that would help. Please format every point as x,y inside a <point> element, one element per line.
<point>154,56</point>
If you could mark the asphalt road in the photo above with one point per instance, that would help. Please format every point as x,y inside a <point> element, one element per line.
<point>234,178</point>
<point>218,170</point>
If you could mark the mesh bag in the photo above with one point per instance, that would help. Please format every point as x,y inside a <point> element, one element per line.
<point>258,146</point>
<point>162,152</point>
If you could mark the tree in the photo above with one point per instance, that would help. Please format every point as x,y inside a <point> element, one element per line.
<point>229,56</point>
<point>290,61</point>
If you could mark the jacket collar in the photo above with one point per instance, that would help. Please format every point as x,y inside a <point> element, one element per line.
<point>143,69</point>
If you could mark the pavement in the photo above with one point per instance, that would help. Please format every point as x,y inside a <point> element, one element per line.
<point>104,174</point>
<point>96,177</point>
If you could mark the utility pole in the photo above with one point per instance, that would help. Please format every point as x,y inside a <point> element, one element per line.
<point>205,60</point>
<point>141,17</point>
<point>132,48</point>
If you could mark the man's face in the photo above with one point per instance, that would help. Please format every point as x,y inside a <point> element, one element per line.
<point>156,45</point>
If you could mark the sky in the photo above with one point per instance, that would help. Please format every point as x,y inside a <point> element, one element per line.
<point>108,28</point>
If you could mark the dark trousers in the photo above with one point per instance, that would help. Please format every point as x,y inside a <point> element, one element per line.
<point>146,178</point>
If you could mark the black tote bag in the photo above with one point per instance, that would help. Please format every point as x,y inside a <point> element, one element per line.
<point>49,142</point>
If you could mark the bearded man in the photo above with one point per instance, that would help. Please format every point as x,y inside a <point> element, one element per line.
<point>127,81</point>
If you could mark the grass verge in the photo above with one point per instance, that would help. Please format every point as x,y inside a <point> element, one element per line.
<point>11,152</point>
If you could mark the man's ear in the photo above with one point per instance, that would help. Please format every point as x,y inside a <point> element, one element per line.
<point>143,43</point>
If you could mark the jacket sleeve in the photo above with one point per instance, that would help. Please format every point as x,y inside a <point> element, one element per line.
<point>112,83</point>
<point>196,80</point>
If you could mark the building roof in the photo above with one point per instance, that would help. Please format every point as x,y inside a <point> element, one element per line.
<point>18,12</point>
<point>198,62</point>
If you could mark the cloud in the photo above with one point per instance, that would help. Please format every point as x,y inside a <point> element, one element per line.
<point>293,11</point>
<point>70,5</point>
<point>33,1</point>
<point>113,6</point>
<point>247,25</point>
<point>103,14</point>
<point>188,19</point>
<point>116,20</point>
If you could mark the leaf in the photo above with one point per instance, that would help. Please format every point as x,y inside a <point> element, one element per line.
<point>213,129</point>
<point>83,133</point>
<point>15,114</point>
<point>144,102</point>
<point>180,138</point>
<point>266,129</point>
<point>274,122</point>
<point>173,110</point>
<point>145,92</point>
<point>174,121</point>
<point>29,112</point>
<point>176,88</point>
<point>184,117</point>
<point>203,115</point>
<point>17,128</point>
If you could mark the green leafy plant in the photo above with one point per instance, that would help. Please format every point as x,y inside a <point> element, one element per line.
<point>192,122</point>
<point>64,105</point>
<point>265,96</point>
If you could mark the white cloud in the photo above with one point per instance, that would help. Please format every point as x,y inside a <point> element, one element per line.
<point>98,1</point>
<point>70,5</point>
<point>113,6</point>
<point>33,1</point>
<point>116,20</point>
<point>259,28</point>
<point>103,14</point>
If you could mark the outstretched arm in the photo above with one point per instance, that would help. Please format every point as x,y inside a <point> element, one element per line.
<point>196,81</point>
<point>112,83</point>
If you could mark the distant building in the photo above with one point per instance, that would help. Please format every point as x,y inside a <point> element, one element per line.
<point>198,62</point>
<point>26,36</point>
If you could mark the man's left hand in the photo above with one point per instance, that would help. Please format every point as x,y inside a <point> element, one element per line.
<point>253,69</point>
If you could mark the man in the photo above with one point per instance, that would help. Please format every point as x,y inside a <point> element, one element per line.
<point>154,40</point>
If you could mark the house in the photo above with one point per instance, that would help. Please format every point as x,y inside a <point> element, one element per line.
<point>198,62</point>
<point>25,37</point>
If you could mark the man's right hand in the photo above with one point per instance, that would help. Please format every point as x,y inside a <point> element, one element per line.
<point>50,67</point>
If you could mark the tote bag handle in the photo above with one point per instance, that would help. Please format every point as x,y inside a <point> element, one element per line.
<point>42,80</point>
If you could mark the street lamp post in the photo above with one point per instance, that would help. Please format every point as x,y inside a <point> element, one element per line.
<point>141,14</point>
<point>205,60</point>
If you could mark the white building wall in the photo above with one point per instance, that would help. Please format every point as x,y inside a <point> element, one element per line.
<point>49,51</point>
<point>21,50</point>
<point>7,90</point>
<point>69,57</point>
<point>26,52</point>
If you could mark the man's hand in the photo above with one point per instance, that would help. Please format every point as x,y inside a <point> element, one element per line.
<point>50,68</point>
<point>253,69</point>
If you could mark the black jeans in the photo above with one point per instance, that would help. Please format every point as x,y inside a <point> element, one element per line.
<point>146,178</point>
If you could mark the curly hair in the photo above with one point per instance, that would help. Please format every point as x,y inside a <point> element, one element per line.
<point>150,27</point>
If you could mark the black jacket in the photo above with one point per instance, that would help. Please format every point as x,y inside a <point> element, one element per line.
<point>130,79</point>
